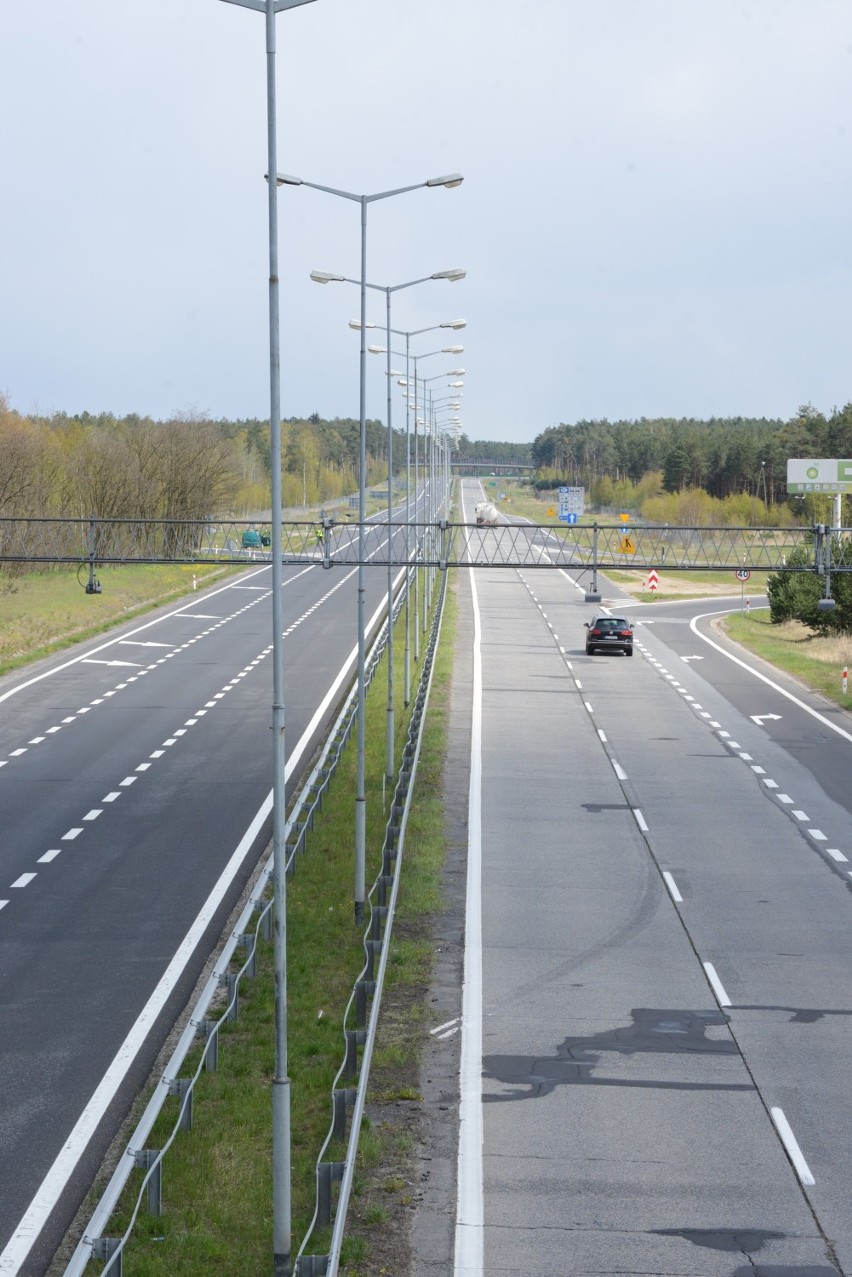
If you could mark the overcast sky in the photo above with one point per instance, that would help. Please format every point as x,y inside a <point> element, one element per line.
<point>655,217</point>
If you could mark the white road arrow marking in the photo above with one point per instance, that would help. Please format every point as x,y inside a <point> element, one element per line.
<point>760,719</point>
<point>130,664</point>
<point>139,643</point>
<point>692,658</point>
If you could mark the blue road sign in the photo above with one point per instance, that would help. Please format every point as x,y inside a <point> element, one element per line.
<point>568,518</point>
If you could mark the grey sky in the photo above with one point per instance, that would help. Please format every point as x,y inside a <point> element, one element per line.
<point>654,219</point>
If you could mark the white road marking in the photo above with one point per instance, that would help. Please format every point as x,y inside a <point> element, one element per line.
<point>16,753</point>
<point>441,1027</point>
<point>143,643</point>
<point>759,771</point>
<point>588,707</point>
<point>817,835</point>
<point>601,735</point>
<point>94,813</point>
<point>770,784</point>
<point>640,820</point>
<point>619,770</point>
<point>90,660</point>
<point>716,984</point>
<point>128,780</point>
<point>3,904</point>
<point>23,881</point>
<point>469,1230</point>
<point>72,834</point>
<point>111,797</point>
<point>791,1144</point>
<point>672,886</point>
<point>800,815</point>
<point>836,855</point>
<point>784,798</point>
<point>48,856</point>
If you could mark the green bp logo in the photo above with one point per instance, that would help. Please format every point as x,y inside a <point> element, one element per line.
<point>812,472</point>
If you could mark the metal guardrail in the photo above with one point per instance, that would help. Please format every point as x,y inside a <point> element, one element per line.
<point>94,1243</point>
<point>383,898</point>
<point>92,543</point>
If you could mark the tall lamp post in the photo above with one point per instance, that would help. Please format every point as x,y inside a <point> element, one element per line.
<point>323,277</point>
<point>282,1243</point>
<point>452,180</point>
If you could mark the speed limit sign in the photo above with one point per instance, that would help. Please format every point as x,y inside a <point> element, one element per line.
<point>743,574</point>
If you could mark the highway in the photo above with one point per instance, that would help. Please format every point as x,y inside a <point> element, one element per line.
<point>135,778</point>
<point>656,1016</point>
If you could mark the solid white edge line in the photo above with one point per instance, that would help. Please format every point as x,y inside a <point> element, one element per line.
<point>469,1241</point>
<point>791,1144</point>
<point>672,886</point>
<point>716,983</point>
<point>36,1215</point>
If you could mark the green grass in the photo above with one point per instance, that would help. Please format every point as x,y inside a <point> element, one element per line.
<point>817,662</point>
<point>217,1183</point>
<point>44,612</point>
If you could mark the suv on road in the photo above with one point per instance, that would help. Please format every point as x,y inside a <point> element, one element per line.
<point>611,632</point>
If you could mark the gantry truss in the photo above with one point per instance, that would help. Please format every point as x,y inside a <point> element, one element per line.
<point>512,544</point>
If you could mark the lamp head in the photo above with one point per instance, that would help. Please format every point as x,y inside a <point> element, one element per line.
<point>323,277</point>
<point>452,179</point>
<point>451,275</point>
<point>354,323</point>
<point>286,179</point>
<point>454,323</point>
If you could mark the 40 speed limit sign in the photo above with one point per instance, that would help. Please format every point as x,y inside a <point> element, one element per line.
<point>743,574</point>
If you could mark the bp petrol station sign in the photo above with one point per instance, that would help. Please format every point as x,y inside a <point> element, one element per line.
<point>572,503</point>
<point>806,474</point>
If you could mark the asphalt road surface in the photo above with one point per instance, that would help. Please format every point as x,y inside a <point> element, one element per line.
<point>656,1012</point>
<point>135,777</point>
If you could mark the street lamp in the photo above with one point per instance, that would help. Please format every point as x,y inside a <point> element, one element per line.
<point>323,277</point>
<point>456,325</point>
<point>281,1195</point>
<point>451,180</point>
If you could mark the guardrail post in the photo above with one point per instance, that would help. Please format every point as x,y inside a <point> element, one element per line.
<point>247,940</point>
<point>340,1099</point>
<point>228,981</point>
<point>144,1159</point>
<point>105,1248</point>
<point>328,1173</point>
<point>208,1029</point>
<point>182,1088</point>
<point>354,1038</point>
<point>362,989</point>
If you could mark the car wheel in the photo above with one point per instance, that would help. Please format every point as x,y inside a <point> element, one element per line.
<point>589,650</point>
<point>628,651</point>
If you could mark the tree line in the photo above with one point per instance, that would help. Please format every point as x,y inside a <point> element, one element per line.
<point>96,465</point>
<point>727,469</point>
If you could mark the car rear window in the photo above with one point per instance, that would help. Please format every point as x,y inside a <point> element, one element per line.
<point>611,623</point>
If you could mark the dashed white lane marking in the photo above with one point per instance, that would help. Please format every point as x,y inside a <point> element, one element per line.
<point>770,784</point>
<point>94,813</point>
<point>3,904</point>
<point>601,735</point>
<point>128,780</point>
<point>23,881</point>
<point>758,771</point>
<point>111,796</point>
<point>784,798</point>
<point>672,886</point>
<point>36,740</point>
<point>716,984</point>
<point>836,855</point>
<point>619,770</point>
<point>640,820</point>
<point>17,752</point>
<point>49,855</point>
<point>588,707</point>
<point>71,835</point>
<point>791,1144</point>
<point>817,835</point>
<point>800,815</point>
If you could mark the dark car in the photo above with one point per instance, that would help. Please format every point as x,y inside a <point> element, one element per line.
<point>610,632</point>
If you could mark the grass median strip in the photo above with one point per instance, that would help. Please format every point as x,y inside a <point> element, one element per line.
<point>217,1180</point>
<point>817,661</point>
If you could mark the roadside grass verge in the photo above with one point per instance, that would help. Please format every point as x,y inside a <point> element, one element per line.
<point>217,1178</point>
<point>44,612</point>
<point>817,661</point>
<point>674,586</point>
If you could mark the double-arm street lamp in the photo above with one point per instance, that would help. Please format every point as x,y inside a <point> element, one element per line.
<point>323,277</point>
<point>449,181</point>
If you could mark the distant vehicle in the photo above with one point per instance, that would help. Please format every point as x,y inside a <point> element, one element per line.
<point>251,539</point>
<point>486,515</point>
<point>611,633</point>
